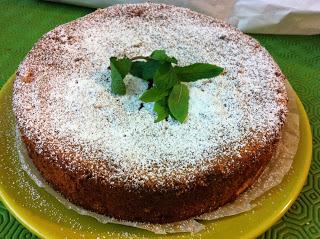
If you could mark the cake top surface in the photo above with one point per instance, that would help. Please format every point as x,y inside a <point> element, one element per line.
<point>63,99</point>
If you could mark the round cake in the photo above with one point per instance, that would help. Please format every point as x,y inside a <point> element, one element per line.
<point>104,152</point>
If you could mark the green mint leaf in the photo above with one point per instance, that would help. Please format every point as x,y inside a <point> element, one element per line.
<point>137,68</point>
<point>197,71</point>
<point>154,94</point>
<point>162,109</point>
<point>179,102</point>
<point>165,77</point>
<point>121,65</point>
<point>119,69</point>
<point>150,69</point>
<point>161,55</point>
<point>144,69</point>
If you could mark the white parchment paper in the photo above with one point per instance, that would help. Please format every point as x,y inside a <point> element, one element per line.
<point>271,177</point>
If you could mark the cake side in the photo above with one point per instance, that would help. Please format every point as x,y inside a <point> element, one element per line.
<point>103,153</point>
<point>174,203</point>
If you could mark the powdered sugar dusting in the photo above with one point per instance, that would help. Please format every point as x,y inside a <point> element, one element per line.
<point>63,101</point>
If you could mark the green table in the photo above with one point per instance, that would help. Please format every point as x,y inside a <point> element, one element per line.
<point>22,23</point>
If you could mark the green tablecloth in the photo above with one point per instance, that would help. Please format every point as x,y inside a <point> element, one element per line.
<point>23,22</point>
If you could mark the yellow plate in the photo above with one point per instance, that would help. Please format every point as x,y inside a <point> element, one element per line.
<point>42,214</point>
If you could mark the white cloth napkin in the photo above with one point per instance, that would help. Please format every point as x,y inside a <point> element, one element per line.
<point>301,17</point>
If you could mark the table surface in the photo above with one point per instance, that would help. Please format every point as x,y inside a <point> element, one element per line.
<point>22,23</point>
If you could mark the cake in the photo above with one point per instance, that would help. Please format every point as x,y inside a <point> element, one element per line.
<point>104,152</point>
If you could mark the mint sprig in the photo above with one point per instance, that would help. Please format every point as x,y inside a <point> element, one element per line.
<point>169,94</point>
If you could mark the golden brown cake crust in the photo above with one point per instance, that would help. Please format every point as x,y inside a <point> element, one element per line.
<point>103,154</point>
